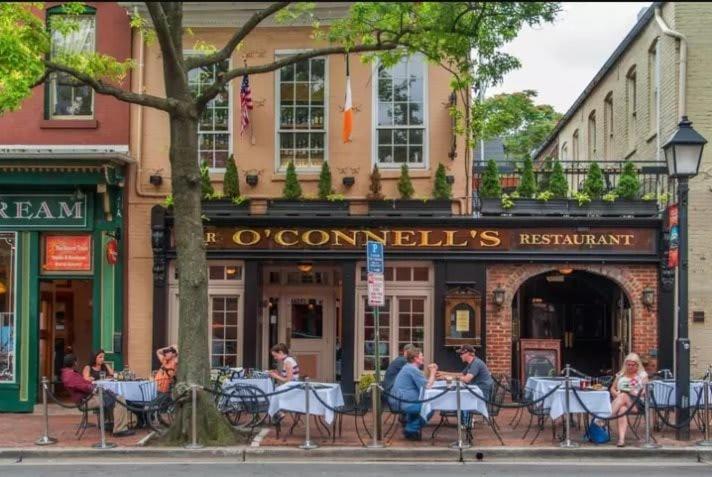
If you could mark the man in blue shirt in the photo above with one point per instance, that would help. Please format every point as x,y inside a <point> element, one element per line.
<point>408,386</point>
<point>395,367</point>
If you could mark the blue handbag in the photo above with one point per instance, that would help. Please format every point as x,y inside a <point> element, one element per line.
<point>597,434</point>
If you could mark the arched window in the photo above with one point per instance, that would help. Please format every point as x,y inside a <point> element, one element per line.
<point>631,106</point>
<point>575,146</point>
<point>592,136</point>
<point>608,151</point>
<point>653,80</point>
<point>564,155</point>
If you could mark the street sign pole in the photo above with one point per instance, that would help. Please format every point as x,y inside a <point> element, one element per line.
<point>376,299</point>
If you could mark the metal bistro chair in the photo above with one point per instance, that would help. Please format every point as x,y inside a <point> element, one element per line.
<point>662,403</point>
<point>357,406</point>
<point>159,408</point>
<point>84,408</point>
<point>247,406</point>
<point>539,411</point>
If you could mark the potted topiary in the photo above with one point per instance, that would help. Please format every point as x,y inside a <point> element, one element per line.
<point>295,203</point>
<point>588,201</point>
<point>490,190</point>
<point>628,200</point>
<point>230,202</point>
<point>407,204</point>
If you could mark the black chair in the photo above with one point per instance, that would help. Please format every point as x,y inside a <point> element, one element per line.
<point>661,403</point>
<point>84,408</point>
<point>158,408</point>
<point>245,405</point>
<point>540,412</point>
<point>493,407</point>
<point>357,406</point>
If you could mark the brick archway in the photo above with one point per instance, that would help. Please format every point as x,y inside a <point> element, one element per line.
<point>632,279</point>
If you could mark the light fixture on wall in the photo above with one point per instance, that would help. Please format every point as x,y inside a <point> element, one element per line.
<point>648,298</point>
<point>348,181</point>
<point>305,267</point>
<point>252,179</point>
<point>3,288</point>
<point>498,296</point>
<point>312,304</point>
<point>566,270</point>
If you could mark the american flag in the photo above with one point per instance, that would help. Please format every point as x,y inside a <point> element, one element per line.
<point>245,103</point>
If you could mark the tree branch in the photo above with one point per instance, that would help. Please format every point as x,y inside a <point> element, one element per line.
<point>163,33</point>
<point>226,51</point>
<point>219,85</point>
<point>165,104</point>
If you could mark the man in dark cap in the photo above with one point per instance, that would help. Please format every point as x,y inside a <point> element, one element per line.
<point>475,370</point>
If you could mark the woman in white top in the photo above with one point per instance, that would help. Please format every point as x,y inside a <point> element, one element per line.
<point>290,367</point>
<point>630,381</point>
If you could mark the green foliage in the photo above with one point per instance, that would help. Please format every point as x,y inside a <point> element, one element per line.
<point>610,196</point>
<point>168,201</point>
<point>365,381</point>
<point>292,189</point>
<point>593,185</point>
<point>527,183</point>
<point>582,198</point>
<point>231,181</point>
<point>206,186</point>
<point>374,188</point>
<point>649,196</point>
<point>490,187</point>
<point>441,189</point>
<point>239,200</point>
<point>507,201</point>
<point>557,182</point>
<point>325,181</point>
<point>336,197</point>
<point>628,184</point>
<point>545,196</point>
<point>545,173</point>
<point>405,185</point>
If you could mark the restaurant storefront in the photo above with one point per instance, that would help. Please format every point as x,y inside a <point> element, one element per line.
<point>591,288</point>
<point>61,275</point>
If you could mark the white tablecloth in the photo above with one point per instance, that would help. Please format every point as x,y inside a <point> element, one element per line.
<point>448,401</point>
<point>293,400</point>
<point>131,390</point>
<point>598,402</point>
<point>664,392</point>
<point>264,385</point>
<point>541,386</point>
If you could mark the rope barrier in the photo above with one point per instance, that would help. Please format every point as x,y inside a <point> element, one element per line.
<point>676,426</point>
<point>636,400</point>
<point>407,401</point>
<point>514,405</point>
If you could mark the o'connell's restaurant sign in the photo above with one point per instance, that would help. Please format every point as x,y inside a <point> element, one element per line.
<point>624,240</point>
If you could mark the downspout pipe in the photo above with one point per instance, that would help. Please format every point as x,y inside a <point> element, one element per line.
<point>682,80</point>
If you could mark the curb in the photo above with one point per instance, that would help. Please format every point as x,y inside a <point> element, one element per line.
<point>360,454</point>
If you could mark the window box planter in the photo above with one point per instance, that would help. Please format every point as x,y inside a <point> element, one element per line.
<point>225,208</point>
<point>528,207</point>
<point>306,207</point>
<point>410,208</point>
<point>617,208</point>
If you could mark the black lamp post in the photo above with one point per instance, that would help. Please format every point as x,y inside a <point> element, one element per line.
<point>683,153</point>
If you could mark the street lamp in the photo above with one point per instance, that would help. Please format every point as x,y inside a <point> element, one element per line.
<point>683,153</point>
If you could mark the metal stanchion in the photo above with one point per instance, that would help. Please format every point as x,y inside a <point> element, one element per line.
<point>102,444</point>
<point>567,443</point>
<point>194,418</point>
<point>648,444</point>
<point>45,440</point>
<point>706,389</point>
<point>308,444</point>
<point>458,400</point>
<point>376,398</point>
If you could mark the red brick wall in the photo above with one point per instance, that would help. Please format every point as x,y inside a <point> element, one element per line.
<point>633,279</point>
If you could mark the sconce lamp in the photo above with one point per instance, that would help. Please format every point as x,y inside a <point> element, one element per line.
<point>348,181</point>
<point>252,179</point>
<point>648,298</point>
<point>498,297</point>
<point>305,267</point>
<point>3,288</point>
<point>566,270</point>
<point>450,179</point>
<point>155,179</point>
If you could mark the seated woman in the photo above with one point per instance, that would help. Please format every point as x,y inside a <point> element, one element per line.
<point>168,357</point>
<point>629,382</point>
<point>96,366</point>
<point>290,367</point>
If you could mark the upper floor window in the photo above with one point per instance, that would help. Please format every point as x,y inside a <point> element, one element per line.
<point>564,156</point>
<point>575,146</point>
<point>608,127</point>
<point>301,112</point>
<point>592,136</point>
<point>68,98</point>
<point>653,85</point>
<point>401,114</point>
<point>214,131</point>
<point>631,105</point>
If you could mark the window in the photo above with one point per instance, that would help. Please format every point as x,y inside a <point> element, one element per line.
<point>575,146</point>
<point>301,131</point>
<point>402,274</point>
<point>214,129</point>
<point>653,85</point>
<point>225,272</point>
<point>67,98</point>
<point>7,306</point>
<point>224,331</point>
<point>631,106</point>
<point>608,127</point>
<point>564,152</point>
<point>400,113</point>
<point>592,136</point>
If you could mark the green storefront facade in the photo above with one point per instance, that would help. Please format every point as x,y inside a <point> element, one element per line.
<point>61,222</point>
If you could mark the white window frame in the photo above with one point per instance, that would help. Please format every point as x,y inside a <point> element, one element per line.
<point>230,115</point>
<point>396,290</point>
<point>13,287</point>
<point>277,106</point>
<point>426,122</point>
<point>226,293</point>
<point>52,83</point>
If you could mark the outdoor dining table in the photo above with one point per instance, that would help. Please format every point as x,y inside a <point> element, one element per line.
<point>664,393</point>
<point>448,400</point>
<point>265,385</point>
<point>136,391</point>
<point>540,386</point>
<point>598,402</point>
<point>293,400</point>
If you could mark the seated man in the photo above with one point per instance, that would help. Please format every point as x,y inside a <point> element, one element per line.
<point>79,388</point>
<point>408,385</point>
<point>475,371</point>
<point>395,367</point>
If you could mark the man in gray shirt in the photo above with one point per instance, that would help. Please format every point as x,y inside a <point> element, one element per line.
<point>475,371</point>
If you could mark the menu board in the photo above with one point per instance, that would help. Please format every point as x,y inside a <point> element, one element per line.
<point>67,253</point>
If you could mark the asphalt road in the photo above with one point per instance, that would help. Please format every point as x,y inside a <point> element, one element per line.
<point>124,468</point>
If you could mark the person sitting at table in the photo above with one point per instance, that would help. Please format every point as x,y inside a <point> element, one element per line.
<point>290,367</point>
<point>96,366</point>
<point>408,386</point>
<point>394,368</point>
<point>475,371</point>
<point>79,389</point>
<point>629,382</point>
<point>166,375</point>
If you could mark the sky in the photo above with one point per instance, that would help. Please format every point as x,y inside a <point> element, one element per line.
<point>559,60</point>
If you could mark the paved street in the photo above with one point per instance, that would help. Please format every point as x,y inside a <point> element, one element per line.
<point>226,468</point>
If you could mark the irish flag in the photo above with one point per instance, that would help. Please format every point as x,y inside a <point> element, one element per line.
<point>348,111</point>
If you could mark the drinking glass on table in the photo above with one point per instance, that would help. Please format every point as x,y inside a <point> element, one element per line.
<point>102,375</point>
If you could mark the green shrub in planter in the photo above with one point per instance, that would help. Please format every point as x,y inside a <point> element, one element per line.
<point>490,187</point>
<point>593,185</point>
<point>374,188</point>
<point>231,183</point>
<point>441,190</point>
<point>292,189</point>
<point>557,182</point>
<point>206,186</point>
<point>527,184</point>
<point>628,184</point>
<point>325,181</point>
<point>405,185</point>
